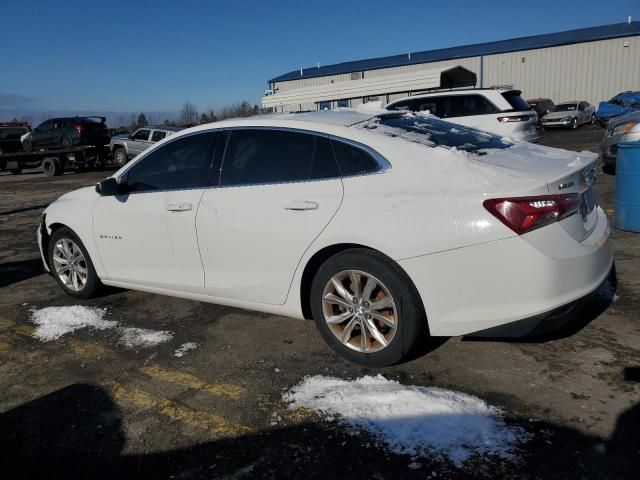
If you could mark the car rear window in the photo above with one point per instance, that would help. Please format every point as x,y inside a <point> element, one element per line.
<point>516,101</point>
<point>431,131</point>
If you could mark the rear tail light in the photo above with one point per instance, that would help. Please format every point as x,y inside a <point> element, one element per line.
<point>79,127</point>
<point>525,214</point>
<point>515,118</point>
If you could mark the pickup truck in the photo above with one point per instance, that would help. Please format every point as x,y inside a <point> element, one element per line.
<point>125,147</point>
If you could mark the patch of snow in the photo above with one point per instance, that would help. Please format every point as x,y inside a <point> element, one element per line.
<point>54,322</point>
<point>412,420</point>
<point>143,338</point>
<point>184,348</point>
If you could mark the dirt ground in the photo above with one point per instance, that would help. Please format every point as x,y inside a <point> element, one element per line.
<point>86,406</point>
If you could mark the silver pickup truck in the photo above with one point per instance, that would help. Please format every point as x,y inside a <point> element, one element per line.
<point>125,147</point>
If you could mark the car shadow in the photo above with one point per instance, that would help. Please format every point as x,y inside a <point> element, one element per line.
<point>79,432</point>
<point>14,272</point>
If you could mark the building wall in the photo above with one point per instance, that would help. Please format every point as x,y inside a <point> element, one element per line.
<point>591,71</point>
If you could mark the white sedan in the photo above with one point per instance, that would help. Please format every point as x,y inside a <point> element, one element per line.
<point>384,228</point>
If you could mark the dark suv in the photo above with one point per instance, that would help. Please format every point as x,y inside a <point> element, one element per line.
<point>10,134</point>
<point>68,133</point>
<point>542,106</point>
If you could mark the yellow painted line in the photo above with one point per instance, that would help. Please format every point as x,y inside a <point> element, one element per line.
<point>193,382</point>
<point>5,323</point>
<point>25,330</point>
<point>4,346</point>
<point>175,411</point>
<point>86,349</point>
<point>609,210</point>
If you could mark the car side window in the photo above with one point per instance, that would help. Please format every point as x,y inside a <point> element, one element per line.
<point>183,163</point>
<point>141,135</point>
<point>353,160</point>
<point>257,156</point>
<point>405,105</point>
<point>158,135</point>
<point>44,127</point>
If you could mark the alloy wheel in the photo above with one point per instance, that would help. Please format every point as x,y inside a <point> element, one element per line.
<point>70,265</point>
<point>360,311</point>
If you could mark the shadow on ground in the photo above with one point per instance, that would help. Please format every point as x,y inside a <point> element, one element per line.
<point>77,432</point>
<point>14,272</point>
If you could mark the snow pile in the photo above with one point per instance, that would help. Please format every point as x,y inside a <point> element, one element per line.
<point>54,322</point>
<point>411,420</point>
<point>184,348</point>
<point>142,338</point>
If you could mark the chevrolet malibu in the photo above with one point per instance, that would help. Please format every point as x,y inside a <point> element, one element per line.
<point>384,229</point>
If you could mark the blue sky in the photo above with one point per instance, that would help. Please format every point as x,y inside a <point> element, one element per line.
<point>155,55</point>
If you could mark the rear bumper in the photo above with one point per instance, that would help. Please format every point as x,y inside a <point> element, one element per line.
<point>477,288</point>
<point>609,146</point>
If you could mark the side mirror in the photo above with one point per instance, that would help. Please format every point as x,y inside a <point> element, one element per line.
<point>130,136</point>
<point>108,187</point>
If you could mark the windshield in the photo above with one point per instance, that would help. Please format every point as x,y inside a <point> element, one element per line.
<point>566,107</point>
<point>430,131</point>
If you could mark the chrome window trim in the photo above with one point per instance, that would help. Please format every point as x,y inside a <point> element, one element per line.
<point>383,164</point>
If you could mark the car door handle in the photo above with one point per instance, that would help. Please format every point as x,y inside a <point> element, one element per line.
<point>299,206</point>
<point>179,207</point>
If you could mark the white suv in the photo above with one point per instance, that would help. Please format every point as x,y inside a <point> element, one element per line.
<point>496,110</point>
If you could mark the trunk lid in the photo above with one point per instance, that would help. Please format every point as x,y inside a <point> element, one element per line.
<point>562,172</point>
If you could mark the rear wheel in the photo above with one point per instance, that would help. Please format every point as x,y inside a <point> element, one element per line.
<point>593,118</point>
<point>367,308</point>
<point>70,264</point>
<point>51,167</point>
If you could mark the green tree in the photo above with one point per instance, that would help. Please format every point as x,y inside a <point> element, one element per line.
<point>142,120</point>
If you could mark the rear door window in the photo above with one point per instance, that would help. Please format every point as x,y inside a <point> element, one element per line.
<point>261,156</point>
<point>158,135</point>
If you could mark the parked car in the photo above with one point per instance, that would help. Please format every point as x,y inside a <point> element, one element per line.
<point>124,147</point>
<point>67,133</point>
<point>10,134</point>
<point>622,103</point>
<point>625,128</point>
<point>541,106</point>
<point>374,226</point>
<point>570,115</point>
<point>496,110</point>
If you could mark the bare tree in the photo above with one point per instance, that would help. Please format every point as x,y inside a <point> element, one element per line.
<point>189,114</point>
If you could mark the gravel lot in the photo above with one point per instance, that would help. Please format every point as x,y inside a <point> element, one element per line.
<point>87,405</point>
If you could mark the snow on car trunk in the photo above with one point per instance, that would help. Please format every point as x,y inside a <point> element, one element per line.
<point>413,420</point>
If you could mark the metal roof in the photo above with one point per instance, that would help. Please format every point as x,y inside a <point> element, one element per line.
<point>581,35</point>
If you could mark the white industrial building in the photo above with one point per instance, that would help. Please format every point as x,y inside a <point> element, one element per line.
<point>590,64</point>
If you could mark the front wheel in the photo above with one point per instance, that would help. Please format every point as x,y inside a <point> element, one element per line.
<point>66,142</point>
<point>120,157</point>
<point>593,118</point>
<point>70,264</point>
<point>27,146</point>
<point>367,309</point>
<point>574,123</point>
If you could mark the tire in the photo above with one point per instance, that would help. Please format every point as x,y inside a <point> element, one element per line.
<point>51,167</point>
<point>593,119</point>
<point>83,267</point>
<point>27,146</point>
<point>66,142</point>
<point>120,157</point>
<point>16,171</point>
<point>574,123</point>
<point>405,309</point>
